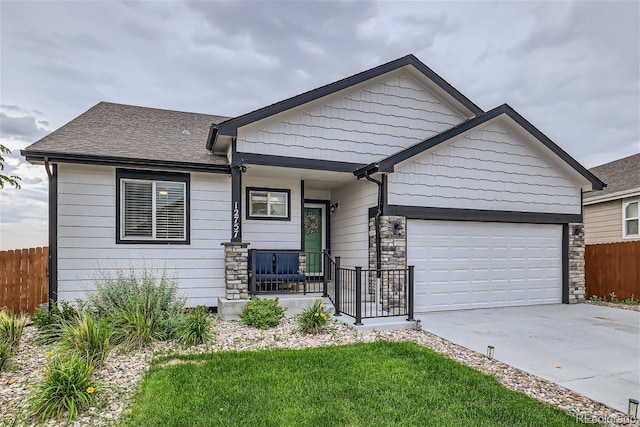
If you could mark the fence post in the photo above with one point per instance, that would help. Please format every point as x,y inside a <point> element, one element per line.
<point>325,273</point>
<point>358,321</point>
<point>410,296</point>
<point>336,277</point>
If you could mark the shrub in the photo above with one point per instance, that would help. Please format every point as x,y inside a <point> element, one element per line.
<point>262,313</point>
<point>88,338</point>
<point>11,328</point>
<point>125,291</point>
<point>44,317</point>
<point>50,322</point>
<point>141,307</point>
<point>313,319</point>
<point>195,328</point>
<point>67,388</point>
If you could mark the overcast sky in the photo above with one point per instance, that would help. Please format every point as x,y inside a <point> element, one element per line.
<point>571,68</point>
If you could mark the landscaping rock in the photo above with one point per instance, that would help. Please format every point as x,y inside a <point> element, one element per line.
<point>122,372</point>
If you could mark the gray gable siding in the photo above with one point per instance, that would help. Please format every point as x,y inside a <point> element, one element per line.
<point>490,168</point>
<point>365,124</point>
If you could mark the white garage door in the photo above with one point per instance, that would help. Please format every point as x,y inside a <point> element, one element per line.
<point>461,265</point>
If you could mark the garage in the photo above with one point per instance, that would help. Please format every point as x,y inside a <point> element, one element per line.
<point>466,264</point>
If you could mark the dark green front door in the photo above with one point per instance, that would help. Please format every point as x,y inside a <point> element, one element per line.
<point>313,239</point>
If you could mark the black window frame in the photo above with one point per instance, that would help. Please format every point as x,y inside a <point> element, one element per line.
<point>151,175</point>
<point>287,191</point>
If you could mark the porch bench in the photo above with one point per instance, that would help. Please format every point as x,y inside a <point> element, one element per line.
<point>276,268</point>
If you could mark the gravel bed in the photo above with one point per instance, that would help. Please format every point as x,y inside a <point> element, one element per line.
<point>632,307</point>
<point>122,372</point>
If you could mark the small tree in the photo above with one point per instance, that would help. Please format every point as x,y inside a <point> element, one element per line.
<point>4,179</point>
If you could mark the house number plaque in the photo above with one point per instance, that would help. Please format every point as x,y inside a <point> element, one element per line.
<point>236,220</point>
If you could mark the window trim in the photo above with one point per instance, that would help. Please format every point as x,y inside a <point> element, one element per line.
<point>625,219</point>
<point>149,175</point>
<point>267,217</point>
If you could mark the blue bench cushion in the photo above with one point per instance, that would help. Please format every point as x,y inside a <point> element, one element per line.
<point>296,277</point>
<point>286,263</point>
<point>264,262</point>
<point>277,267</point>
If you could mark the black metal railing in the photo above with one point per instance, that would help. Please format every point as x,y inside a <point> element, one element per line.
<point>369,293</point>
<point>354,291</point>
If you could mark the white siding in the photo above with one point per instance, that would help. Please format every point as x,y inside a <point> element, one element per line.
<point>87,236</point>
<point>489,168</point>
<point>317,194</point>
<point>361,125</point>
<point>272,234</point>
<point>350,222</point>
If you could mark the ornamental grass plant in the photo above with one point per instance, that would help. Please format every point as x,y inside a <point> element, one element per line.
<point>195,328</point>
<point>313,319</point>
<point>141,307</point>
<point>5,355</point>
<point>66,389</point>
<point>50,323</point>
<point>88,338</point>
<point>11,328</point>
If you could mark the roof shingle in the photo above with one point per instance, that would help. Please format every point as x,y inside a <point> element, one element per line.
<point>131,132</point>
<point>619,175</point>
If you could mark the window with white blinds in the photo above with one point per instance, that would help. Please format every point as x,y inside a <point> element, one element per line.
<point>152,210</point>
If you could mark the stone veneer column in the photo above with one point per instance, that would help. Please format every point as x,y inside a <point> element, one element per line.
<point>236,270</point>
<point>393,250</point>
<point>576,264</point>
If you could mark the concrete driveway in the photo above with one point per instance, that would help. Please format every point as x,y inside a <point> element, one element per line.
<point>590,349</point>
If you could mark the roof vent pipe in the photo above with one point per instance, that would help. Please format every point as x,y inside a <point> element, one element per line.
<point>185,131</point>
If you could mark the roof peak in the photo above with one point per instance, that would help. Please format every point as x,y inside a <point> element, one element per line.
<point>231,126</point>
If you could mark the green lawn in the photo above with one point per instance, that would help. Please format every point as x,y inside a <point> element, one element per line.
<point>374,384</point>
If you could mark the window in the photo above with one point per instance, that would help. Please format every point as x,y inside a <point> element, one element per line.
<point>630,219</point>
<point>265,203</point>
<point>152,207</point>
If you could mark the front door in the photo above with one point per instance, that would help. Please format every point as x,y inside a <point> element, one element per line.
<point>314,237</point>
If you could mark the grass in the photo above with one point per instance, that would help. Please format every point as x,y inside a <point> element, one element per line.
<point>379,384</point>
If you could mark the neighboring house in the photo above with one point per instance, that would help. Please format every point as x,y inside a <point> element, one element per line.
<point>393,158</point>
<point>612,215</point>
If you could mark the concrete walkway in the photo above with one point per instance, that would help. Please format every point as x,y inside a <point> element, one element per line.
<point>590,349</point>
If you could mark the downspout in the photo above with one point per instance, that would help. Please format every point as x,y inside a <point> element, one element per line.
<point>52,268</point>
<point>377,223</point>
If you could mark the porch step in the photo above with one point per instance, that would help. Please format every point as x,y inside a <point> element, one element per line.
<point>294,305</point>
<point>395,323</point>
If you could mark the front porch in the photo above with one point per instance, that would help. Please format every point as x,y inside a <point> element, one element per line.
<point>302,277</point>
<point>310,232</point>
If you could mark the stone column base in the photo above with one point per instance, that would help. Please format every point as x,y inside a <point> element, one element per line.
<point>236,270</point>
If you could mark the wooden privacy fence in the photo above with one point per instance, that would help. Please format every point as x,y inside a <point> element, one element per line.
<point>23,279</point>
<point>613,267</point>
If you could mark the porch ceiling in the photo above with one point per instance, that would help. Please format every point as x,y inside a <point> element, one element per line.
<point>313,179</point>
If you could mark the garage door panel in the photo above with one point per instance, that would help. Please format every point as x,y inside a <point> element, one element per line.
<point>472,265</point>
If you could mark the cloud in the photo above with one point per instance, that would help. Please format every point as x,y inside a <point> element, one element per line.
<point>23,127</point>
<point>571,68</point>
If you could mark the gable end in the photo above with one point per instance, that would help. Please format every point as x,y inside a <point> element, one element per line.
<point>230,127</point>
<point>388,164</point>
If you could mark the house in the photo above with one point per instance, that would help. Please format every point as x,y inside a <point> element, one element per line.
<point>385,170</point>
<point>612,215</point>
